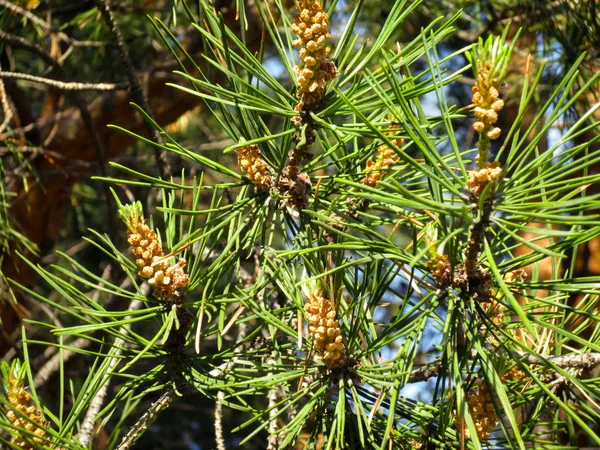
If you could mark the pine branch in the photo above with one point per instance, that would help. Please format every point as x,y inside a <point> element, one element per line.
<point>220,441</point>
<point>586,361</point>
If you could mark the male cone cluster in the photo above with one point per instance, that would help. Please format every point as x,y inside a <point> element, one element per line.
<point>386,157</point>
<point>254,167</point>
<point>478,179</point>
<point>481,405</point>
<point>18,397</point>
<point>166,279</point>
<point>325,330</point>
<point>312,28</point>
<point>487,104</point>
<point>440,269</point>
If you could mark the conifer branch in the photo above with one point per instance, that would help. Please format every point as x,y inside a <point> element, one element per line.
<point>220,441</point>
<point>6,108</point>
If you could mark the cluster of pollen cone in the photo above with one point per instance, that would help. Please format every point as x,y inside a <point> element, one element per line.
<point>20,400</point>
<point>487,104</point>
<point>481,405</point>
<point>166,279</point>
<point>254,167</point>
<point>386,158</point>
<point>312,28</point>
<point>328,345</point>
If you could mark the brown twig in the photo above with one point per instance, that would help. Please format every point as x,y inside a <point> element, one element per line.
<point>18,41</point>
<point>424,373</point>
<point>586,361</point>
<point>79,101</point>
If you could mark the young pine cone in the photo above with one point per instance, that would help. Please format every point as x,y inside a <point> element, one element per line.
<point>325,330</point>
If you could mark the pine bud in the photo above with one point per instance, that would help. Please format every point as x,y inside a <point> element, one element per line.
<point>440,269</point>
<point>486,101</point>
<point>494,133</point>
<point>478,179</point>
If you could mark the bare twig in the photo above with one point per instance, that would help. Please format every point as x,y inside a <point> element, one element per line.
<point>424,373</point>
<point>33,18</point>
<point>219,421</point>
<point>575,360</point>
<point>18,41</point>
<point>136,88</point>
<point>65,86</point>
<point>79,101</point>
<point>272,396</point>
<point>8,113</point>
<point>17,131</point>
<point>160,405</point>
